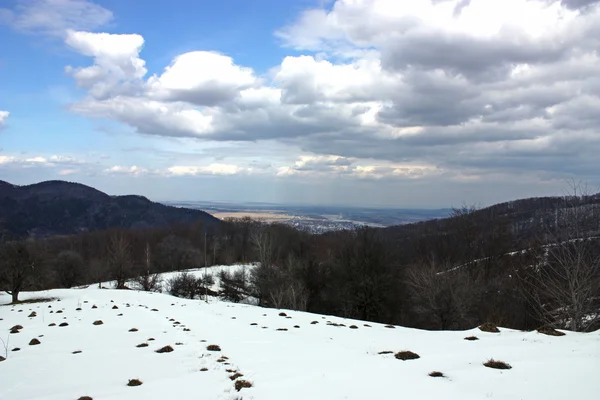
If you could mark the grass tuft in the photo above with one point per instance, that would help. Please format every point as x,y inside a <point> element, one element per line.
<point>166,349</point>
<point>550,331</point>
<point>491,363</point>
<point>239,385</point>
<point>406,355</point>
<point>235,376</point>
<point>489,327</point>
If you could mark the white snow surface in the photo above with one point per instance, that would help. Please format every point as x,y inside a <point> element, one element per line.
<point>312,361</point>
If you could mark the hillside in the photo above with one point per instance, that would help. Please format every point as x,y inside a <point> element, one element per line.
<point>59,208</point>
<point>293,356</point>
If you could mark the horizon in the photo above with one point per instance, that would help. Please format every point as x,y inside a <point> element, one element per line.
<point>415,105</point>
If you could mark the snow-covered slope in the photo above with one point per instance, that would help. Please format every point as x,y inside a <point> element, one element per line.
<point>297,356</point>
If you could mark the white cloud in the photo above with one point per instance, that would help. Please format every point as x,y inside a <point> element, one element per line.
<point>131,171</point>
<point>201,78</point>
<point>395,89</point>
<point>212,169</point>
<point>54,17</point>
<point>3,117</point>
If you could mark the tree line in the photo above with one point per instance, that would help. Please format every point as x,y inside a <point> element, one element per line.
<point>471,268</point>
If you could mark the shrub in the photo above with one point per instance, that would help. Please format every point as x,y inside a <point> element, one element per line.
<point>115,307</point>
<point>52,324</point>
<point>385,352</point>
<point>390,326</point>
<point>16,328</point>
<point>133,330</point>
<point>16,349</point>
<point>314,322</point>
<point>239,385</point>
<point>296,326</point>
<point>59,311</point>
<point>85,398</point>
<point>76,352</point>
<point>282,314</point>
<point>406,355</point>
<point>471,338</point>
<point>185,285</point>
<point>2,358</point>
<point>203,369</point>
<point>282,329</point>
<point>34,342</point>
<point>134,382</point>
<point>94,306</point>
<point>99,322</point>
<point>436,374</point>
<point>166,349</point>
<point>14,331</point>
<point>213,347</point>
<point>142,345</point>
<point>489,327</point>
<point>550,331</point>
<point>491,363</point>
<point>150,339</point>
<point>234,286</point>
<point>33,314</point>
<point>353,327</point>
<point>235,376</point>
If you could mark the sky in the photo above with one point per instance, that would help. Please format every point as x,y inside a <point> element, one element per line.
<point>408,104</point>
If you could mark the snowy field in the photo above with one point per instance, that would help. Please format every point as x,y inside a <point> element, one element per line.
<point>293,356</point>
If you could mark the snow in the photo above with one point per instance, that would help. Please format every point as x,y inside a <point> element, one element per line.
<point>314,361</point>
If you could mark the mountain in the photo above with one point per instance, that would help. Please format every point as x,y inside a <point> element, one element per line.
<point>62,208</point>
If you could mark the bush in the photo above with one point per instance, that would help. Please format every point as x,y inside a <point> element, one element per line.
<point>491,363</point>
<point>85,398</point>
<point>34,342</point>
<point>406,355</point>
<point>63,324</point>
<point>471,338</point>
<point>99,322</point>
<point>213,347</point>
<point>142,345</point>
<point>489,327</point>
<point>133,330</point>
<point>185,285</point>
<point>234,286</point>
<point>436,374</point>
<point>134,382</point>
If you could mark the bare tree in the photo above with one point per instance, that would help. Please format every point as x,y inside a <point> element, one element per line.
<point>68,267</point>
<point>148,281</point>
<point>17,267</point>
<point>119,259</point>
<point>563,284</point>
<point>442,294</point>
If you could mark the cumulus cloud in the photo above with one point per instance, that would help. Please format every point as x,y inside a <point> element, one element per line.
<point>392,89</point>
<point>202,78</point>
<point>54,17</point>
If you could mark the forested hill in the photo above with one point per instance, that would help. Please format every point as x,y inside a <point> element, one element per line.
<point>59,208</point>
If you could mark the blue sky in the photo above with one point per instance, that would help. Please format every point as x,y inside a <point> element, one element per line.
<point>430,103</point>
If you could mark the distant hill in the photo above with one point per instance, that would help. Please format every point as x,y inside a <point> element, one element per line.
<point>61,208</point>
